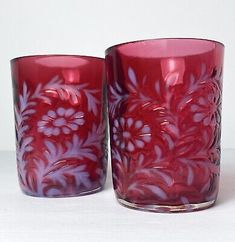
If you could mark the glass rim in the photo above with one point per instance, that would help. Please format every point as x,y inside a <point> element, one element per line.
<point>56,55</point>
<point>109,49</point>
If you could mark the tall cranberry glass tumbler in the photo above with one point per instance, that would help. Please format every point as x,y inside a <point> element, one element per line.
<point>164,99</point>
<point>60,124</point>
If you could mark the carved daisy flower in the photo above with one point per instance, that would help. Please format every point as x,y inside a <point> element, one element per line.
<point>130,134</point>
<point>207,109</point>
<point>60,121</point>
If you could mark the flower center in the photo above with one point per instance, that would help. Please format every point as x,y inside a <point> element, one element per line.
<point>126,134</point>
<point>59,122</point>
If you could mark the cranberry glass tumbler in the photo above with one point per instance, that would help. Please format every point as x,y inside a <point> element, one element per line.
<point>164,115</point>
<point>60,124</point>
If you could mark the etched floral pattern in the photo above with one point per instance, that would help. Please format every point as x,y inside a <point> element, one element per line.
<point>170,156</point>
<point>208,114</point>
<point>51,165</point>
<point>130,134</point>
<point>60,121</point>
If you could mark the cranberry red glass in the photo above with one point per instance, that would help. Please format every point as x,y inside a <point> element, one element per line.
<point>164,114</point>
<point>60,124</point>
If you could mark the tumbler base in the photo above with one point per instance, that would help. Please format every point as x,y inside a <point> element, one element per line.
<point>39,195</point>
<point>167,208</point>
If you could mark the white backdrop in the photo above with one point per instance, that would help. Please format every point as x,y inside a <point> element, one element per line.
<point>89,27</point>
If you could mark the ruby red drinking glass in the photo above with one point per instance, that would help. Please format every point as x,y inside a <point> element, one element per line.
<point>164,114</point>
<point>60,124</point>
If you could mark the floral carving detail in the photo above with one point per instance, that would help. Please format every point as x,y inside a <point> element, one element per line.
<point>72,93</point>
<point>23,142</point>
<point>117,97</point>
<point>60,121</point>
<point>207,109</point>
<point>130,134</point>
<point>67,162</point>
<point>178,110</point>
<point>62,168</point>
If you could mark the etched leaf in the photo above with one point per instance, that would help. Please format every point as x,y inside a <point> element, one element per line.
<point>65,92</point>
<point>157,87</point>
<point>157,191</point>
<point>116,98</point>
<point>172,79</point>
<point>132,76</point>
<point>53,152</point>
<point>72,93</point>
<point>92,101</point>
<point>95,136</point>
<point>158,152</point>
<point>60,171</point>
<point>22,113</point>
<point>203,70</point>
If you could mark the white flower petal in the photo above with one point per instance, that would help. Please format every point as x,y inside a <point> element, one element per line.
<point>41,123</point>
<point>59,122</point>
<point>79,121</point>
<point>45,118</point>
<point>126,134</point>
<point>73,126</point>
<point>194,108</point>
<point>51,113</point>
<point>56,131</point>
<point>138,124</point>
<point>48,131</point>
<point>41,129</point>
<point>145,129</point>
<point>122,121</point>
<point>60,111</point>
<point>210,97</point>
<point>197,117</point>
<point>115,137</point>
<point>69,112</point>
<point>129,122</point>
<point>130,146</point>
<point>66,130</point>
<point>139,143</point>
<point>146,138</point>
<point>116,123</point>
<point>79,115</point>
<point>206,121</point>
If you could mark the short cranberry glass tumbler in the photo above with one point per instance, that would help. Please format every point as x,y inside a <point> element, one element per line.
<point>164,98</point>
<point>60,124</point>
